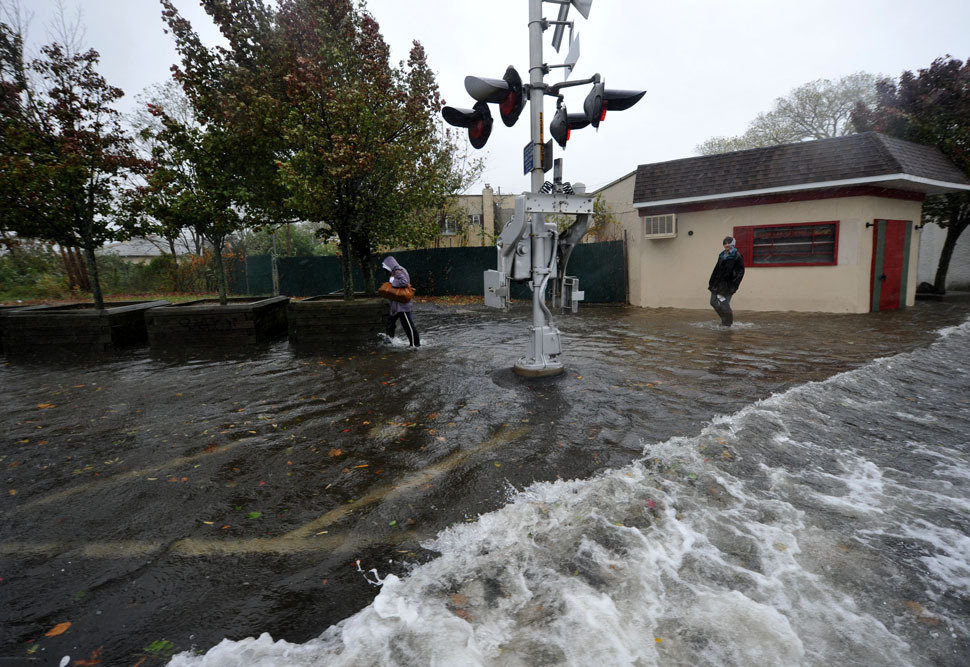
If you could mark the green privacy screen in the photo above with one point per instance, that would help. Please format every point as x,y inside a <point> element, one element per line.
<point>600,267</point>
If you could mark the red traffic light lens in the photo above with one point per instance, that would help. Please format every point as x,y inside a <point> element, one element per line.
<point>507,106</point>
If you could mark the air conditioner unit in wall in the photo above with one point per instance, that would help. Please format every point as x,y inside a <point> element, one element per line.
<point>660,226</point>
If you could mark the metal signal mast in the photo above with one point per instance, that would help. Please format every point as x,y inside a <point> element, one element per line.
<point>529,248</point>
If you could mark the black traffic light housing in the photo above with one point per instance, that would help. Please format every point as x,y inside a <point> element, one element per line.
<point>600,100</point>
<point>508,92</point>
<point>478,120</point>
<point>563,123</point>
<point>514,101</point>
<point>593,105</point>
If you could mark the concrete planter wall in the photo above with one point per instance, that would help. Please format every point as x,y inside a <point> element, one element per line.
<point>243,321</point>
<point>322,320</point>
<point>75,328</point>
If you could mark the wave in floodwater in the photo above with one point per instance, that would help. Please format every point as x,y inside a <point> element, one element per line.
<point>827,524</point>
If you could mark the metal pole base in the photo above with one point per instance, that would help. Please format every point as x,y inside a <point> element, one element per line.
<point>529,368</point>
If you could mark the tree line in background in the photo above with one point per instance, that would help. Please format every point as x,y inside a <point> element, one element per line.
<point>930,107</point>
<point>301,117</point>
<point>301,122</point>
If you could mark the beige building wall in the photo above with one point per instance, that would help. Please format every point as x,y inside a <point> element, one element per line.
<point>618,195</point>
<point>489,209</point>
<point>674,272</point>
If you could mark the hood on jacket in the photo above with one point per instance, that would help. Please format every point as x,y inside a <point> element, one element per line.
<point>390,263</point>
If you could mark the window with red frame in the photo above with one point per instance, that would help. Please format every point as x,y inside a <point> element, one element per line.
<point>798,244</point>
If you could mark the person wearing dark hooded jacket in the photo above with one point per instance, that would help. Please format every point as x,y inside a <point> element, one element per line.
<point>725,280</point>
<point>400,311</point>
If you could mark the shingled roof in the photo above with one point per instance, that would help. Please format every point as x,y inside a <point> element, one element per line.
<point>869,158</point>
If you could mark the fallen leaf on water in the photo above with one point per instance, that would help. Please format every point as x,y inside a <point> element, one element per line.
<point>363,465</point>
<point>93,659</point>
<point>12,492</point>
<point>336,452</point>
<point>58,629</point>
<point>160,646</point>
<point>44,406</point>
<point>254,515</point>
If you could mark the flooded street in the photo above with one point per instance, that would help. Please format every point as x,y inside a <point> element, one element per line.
<point>765,494</point>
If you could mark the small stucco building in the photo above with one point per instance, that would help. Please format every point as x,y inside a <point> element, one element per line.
<point>829,226</point>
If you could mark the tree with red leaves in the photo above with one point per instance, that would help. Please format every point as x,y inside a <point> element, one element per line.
<point>930,107</point>
<point>321,127</point>
<point>64,154</point>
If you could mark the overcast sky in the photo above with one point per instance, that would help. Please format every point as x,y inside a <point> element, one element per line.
<point>708,66</point>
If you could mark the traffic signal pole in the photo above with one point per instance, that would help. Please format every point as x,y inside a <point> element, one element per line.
<point>536,257</point>
<point>544,346</point>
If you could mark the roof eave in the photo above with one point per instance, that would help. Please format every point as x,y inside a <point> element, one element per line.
<point>928,185</point>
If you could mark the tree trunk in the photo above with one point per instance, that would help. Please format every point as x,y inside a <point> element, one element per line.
<point>221,271</point>
<point>346,264</point>
<point>68,268</point>
<point>175,264</point>
<point>92,273</point>
<point>946,254</point>
<point>83,279</point>
<point>363,253</point>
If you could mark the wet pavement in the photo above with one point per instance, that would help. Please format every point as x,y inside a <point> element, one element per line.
<point>161,502</point>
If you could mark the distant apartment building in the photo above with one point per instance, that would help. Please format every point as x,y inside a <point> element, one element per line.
<point>484,215</point>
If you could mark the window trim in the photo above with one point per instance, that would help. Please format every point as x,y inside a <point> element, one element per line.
<point>745,243</point>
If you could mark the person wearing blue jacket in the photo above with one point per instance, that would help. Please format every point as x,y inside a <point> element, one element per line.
<point>725,280</point>
<point>400,311</point>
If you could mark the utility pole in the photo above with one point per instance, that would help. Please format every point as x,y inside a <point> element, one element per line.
<point>529,248</point>
<point>542,359</point>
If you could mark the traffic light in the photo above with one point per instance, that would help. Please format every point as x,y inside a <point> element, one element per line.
<point>511,106</point>
<point>507,92</point>
<point>563,123</point>
<point>600,100</point>
<point>478,120</point>
<point>593,105</point>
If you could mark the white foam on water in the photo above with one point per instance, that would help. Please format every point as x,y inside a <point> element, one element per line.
<point>755,542</point>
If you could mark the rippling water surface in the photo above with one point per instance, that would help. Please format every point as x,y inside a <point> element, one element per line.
<point>794,490</point>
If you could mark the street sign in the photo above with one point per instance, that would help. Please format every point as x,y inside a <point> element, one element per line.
<point>572,56</point>
<point>528,158</point>
<point>582,6</point>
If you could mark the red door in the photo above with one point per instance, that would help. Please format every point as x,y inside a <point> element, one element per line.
<point>890,263</point>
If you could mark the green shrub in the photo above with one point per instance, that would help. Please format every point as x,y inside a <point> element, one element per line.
<point>51,286</point>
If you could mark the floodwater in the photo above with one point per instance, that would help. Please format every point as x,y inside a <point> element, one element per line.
<point>791,491</point>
